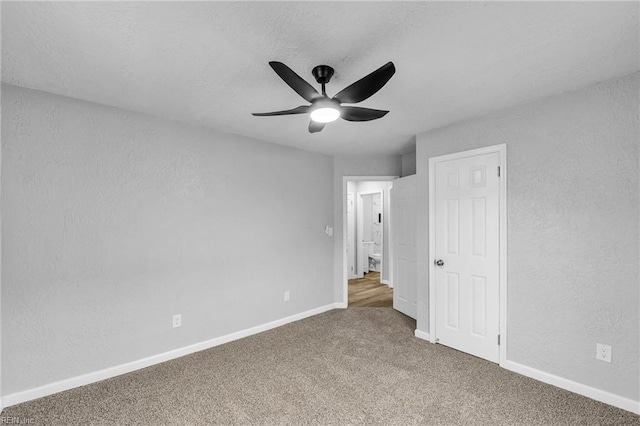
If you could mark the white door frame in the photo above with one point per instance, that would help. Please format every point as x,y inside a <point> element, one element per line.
<point>352,256</point>
<point>502,151</point>
<point>345,276</point>
<point>359,232</point>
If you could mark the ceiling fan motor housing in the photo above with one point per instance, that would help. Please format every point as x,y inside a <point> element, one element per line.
<point>322,73</point>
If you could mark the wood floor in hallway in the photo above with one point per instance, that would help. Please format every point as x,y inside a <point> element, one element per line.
<point>370,292</point>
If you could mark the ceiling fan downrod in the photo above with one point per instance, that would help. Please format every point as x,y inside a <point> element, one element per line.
<point>322,74</point>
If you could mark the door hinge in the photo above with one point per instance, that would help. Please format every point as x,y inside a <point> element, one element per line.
<point>498,340</point>
<point>498,171</point>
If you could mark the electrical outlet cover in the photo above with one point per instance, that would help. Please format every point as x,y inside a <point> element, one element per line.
<point>177,320</point>
<point>603,352</point>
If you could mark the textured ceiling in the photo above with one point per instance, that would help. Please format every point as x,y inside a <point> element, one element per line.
<point>207,63</point>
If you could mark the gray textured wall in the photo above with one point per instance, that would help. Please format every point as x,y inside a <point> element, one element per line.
<point>409,164</point>
<point>573,232</point>
<point>113,221</point>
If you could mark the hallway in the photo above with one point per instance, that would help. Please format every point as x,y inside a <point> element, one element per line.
<point>370,292</point>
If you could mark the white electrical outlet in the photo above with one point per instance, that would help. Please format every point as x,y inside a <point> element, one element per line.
<point>177,320</point>
<point>603,352</point>
<point>286,296</point>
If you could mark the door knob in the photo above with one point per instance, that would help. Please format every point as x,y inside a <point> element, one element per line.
<point>438,262</point>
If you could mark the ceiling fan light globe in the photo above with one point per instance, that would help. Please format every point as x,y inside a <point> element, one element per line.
<point>325,115</point>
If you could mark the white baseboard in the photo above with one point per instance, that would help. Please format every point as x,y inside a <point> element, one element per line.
<point>107,373</point>
<point>341,305</point>
<point>422,335</point>
<point>387,282</point>
<point>570,385</point>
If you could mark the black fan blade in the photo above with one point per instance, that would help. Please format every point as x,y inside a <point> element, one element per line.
<point>366,86</point>
<point>299,110</point>
<point>296,82</point>
<point>315,127</point>
<point>351,113</point>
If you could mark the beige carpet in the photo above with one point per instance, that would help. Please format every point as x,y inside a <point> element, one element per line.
<point>354,366</point>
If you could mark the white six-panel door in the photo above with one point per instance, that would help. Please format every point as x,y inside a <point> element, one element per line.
<point>467,226</point>
<point>404,245</point>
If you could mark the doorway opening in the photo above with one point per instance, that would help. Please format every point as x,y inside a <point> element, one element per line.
<point>366,235</point>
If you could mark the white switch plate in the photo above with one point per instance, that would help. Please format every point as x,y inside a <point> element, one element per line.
<point>177,320</point>
<point>286,296</point>
<point>603,352</point>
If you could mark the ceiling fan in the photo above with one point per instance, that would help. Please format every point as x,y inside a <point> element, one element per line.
<point>324,109</point>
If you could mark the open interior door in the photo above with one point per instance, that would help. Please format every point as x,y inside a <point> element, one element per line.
<point>404,245</point>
